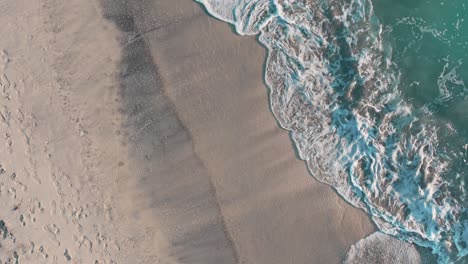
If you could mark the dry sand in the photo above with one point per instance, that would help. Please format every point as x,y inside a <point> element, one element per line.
<point>64,156</point>
<point>140,132</point>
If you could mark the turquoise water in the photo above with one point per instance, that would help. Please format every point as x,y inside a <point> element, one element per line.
<point>374,97</point>
<point>430,42</point>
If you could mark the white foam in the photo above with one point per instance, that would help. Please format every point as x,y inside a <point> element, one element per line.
<point>382,249</point>
<point>334,86</point>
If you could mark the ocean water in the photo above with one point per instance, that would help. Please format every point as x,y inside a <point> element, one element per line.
<point>374,96</point>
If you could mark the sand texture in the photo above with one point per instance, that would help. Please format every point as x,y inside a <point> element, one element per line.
<point>140,132</point>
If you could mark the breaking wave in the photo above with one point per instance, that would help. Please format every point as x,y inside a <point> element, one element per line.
<point>335,87</point>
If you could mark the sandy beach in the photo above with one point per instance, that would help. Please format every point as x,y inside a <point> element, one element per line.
<point>266,205</point>
<point>140,132</point>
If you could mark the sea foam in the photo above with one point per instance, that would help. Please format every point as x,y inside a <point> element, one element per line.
<point>335,88</point>
<point>382,249</point>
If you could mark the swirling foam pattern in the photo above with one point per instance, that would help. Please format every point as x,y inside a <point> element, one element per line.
<point>336,87</point>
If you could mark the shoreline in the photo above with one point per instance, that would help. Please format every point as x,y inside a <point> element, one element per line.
<point>238,128</point>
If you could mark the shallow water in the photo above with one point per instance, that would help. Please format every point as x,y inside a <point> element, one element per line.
<point>374,97</point>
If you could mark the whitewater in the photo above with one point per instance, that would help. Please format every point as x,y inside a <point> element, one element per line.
<point>334,85</point>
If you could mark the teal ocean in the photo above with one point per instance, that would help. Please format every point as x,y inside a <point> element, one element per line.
<point>374,95</point>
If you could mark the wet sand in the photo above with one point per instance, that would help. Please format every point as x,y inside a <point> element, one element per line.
<point>270,208</point>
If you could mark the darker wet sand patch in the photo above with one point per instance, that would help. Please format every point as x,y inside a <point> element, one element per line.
<point>173,180</point>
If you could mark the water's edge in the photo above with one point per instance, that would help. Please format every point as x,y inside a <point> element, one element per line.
<point>369,145</point>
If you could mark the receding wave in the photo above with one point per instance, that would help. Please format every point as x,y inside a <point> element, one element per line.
<point>335,87</point>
